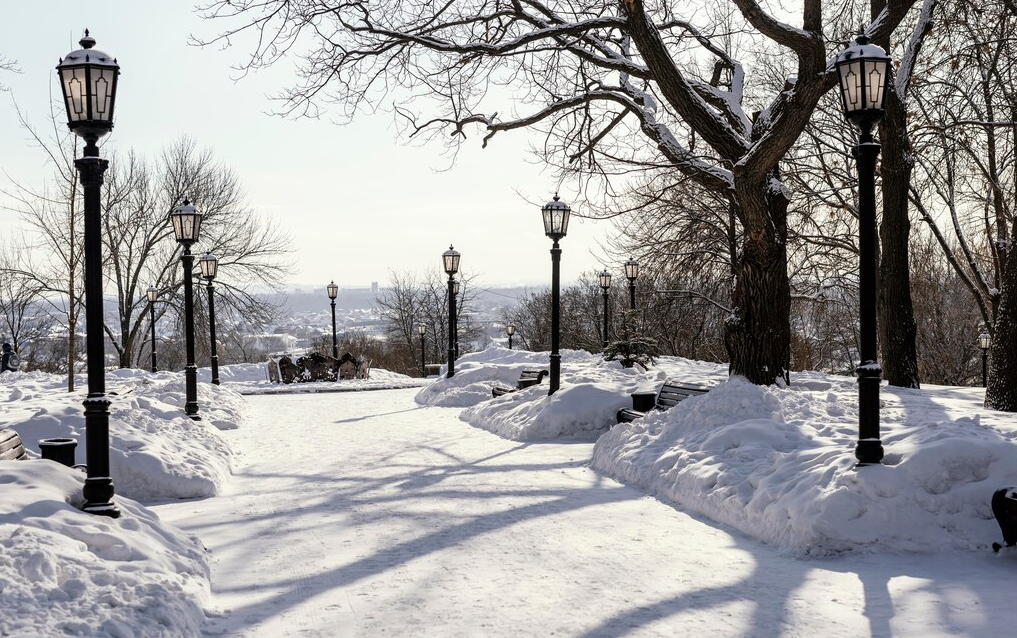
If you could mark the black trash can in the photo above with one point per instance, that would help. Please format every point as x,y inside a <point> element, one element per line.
<point>59,450</point>
<point>1004,508</point>
<point>644,401</point>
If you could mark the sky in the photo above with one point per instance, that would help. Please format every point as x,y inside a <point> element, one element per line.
<point>358,202</point>
<point>438,511</point>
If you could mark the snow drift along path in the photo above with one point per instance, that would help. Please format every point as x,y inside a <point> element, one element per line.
<point>363,514</point>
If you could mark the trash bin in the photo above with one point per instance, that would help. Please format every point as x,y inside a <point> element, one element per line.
<point>1004,508</point>
<point>59,450</point>
<point>643,401</point>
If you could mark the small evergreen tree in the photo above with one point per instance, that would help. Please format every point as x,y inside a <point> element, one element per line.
<point>634,348</point>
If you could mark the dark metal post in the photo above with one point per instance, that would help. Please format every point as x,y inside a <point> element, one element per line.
<point>451,329</point>
<point>555,379</point>
<point>211,332</point>
<point>152,307</point>
<point>190,371</point>
<point>335,344</point>
<point>869,449</point>
<point>607,340</point>
<point>632,294</point>
<point>510,342</point>
<point>423,355</point>
<point>985,367</point>
<point>98,488</point>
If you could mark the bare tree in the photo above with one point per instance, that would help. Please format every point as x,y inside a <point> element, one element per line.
<point>142,251</point>
<point>409,301</point>
<point>613,85</point>
<point>965,146</point>
<point>53,213</point>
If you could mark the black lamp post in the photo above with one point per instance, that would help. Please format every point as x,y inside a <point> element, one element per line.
<point>864,70</point>
<point>510,330</point>
<point>605,285</point>
<point>333,292</point>
<point>450,259</point>
<point>556,226</point>
<point>153,294</point>
<point>985,342</point>
<point>455,315</point>
<point>422,331</point>
<point>186,222</point>
<point>209,266</point>
<point>631,272</point>
<point>88,80</point>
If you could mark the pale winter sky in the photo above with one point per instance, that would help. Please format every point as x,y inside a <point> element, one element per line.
<point>358,202</point>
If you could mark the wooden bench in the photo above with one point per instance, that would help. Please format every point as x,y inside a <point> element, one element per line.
<point>11,448</point>
<point>671,394</point>
<point>526,379</point>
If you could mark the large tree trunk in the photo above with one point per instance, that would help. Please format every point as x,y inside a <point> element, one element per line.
<point>758,333</point>
<point>896,326</point>
<point>1001,393</point>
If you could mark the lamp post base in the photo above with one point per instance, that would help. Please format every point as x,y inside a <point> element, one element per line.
<point>869,452</point>
<point>98,492</point>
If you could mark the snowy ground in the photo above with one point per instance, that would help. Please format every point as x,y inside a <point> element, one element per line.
<point>369,513</point>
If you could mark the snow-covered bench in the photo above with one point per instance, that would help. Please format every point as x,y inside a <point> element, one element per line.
<point>526,379</point>
<point>11,448</point>
<point>671,394</point>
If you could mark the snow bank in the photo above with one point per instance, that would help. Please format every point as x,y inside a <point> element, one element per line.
<point>477,373</point>
<point>778,464</point>
<point>65,572</point>
<point>155,450</point>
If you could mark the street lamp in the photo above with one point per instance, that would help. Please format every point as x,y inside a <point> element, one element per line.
<point>984,342</point>
<point>88,80</point>
<point>209,265</point>
<point>450,259</point>
<point>864,70</point>
<point>605,285</point>
<point>333,292</point>
<point>631,272</point>
<point>510,330</point>
<point>186,222</point>
<point>153,294</point>
<point>422,331</point>
<point>556,226</point>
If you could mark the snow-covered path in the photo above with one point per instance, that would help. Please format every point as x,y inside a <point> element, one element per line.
<point>363,514</point>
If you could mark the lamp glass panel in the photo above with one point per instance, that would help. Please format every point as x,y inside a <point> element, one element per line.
<point>851,85</point>
<point>74,80</point>
<point>103,83</point>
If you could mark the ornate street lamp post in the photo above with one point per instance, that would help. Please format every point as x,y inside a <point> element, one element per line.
<point>422,331</point>
<point>631,272</point>
<point>88,80</point>
<point>510,330</point>
<point>556,226</point>
<point>985,342</point>
<point>450,260</point>
<point>153,294</point>
<point>209,266</point>
<point>605,285</point>
<point>864,70</point>
<point>186,222</point>
<point>333,292</point>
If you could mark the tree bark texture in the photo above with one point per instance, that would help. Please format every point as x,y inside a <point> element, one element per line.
<point>896,317</point>
<point>758,333</point>
<point>1001,393</point>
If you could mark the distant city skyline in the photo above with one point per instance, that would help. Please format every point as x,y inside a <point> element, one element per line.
<point>358,202</point>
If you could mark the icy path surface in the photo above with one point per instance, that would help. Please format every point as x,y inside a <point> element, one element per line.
<point>363,514</point>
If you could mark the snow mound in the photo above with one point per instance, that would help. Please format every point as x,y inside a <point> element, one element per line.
<point>65,572</point>
<point>778,464</point>
<point>155,450</point>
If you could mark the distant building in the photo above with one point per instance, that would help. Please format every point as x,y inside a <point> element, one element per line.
<point>374,287</point>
